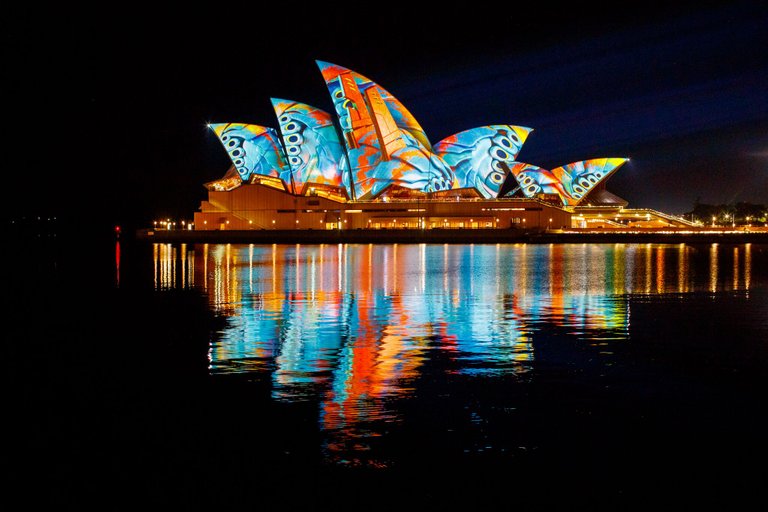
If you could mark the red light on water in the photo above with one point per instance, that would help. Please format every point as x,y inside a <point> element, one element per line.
<point>117,229</point>
<point>117,261</point>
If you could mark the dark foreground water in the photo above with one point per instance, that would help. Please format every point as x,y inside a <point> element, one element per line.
<point>384,377</point>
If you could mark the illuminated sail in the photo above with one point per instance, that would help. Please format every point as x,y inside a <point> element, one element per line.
<point>253,149</point>
<point>571,182</point>
<point>381,154</point>
<point>312,146</point>
<point>357,127</point>
<point>579,178</point>
<point>480,157</point>
<point>534,180</point>
<point>403,118</point>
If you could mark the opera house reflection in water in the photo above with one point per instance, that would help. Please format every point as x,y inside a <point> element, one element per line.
<point>353,325</point>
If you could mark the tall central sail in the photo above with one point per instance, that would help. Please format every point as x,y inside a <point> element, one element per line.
<point>383,151</point>
<point>357,127</point>
<point>403,118</point>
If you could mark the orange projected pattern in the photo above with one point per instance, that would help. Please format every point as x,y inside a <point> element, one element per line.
<point>386,129</point>
<point>381,153</point>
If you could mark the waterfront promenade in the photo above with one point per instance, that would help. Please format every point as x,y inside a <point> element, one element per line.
<point>461,236</point>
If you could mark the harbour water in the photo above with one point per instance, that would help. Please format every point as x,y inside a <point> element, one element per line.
<point>373,376</point>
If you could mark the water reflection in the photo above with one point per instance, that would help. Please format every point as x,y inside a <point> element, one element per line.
<point>354,325</point>
<point>117,263</point>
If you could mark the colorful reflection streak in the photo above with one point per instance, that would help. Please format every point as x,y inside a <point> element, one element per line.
<point>353,326</point>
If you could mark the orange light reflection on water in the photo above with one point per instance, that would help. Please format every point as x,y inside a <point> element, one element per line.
<point>354,324</point>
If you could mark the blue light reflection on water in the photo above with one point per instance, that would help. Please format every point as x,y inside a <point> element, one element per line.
<point>353,326</point>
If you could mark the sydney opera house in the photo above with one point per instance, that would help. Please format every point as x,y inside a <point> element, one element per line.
<point>372,166</point>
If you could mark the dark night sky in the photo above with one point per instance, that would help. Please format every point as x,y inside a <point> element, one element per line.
<point>116,101</point>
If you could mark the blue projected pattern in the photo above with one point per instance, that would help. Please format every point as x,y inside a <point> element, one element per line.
<point>481,157</point>
<point>570,182</point>
<point>314,151</point>
<point>253,150</point>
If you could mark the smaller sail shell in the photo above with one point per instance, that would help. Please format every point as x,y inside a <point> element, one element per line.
<point>579,178</point>
<point>534,180</point>
<point>312,146</point>
<point>253,149</point>
<point>571,182</point>
<point>480,157</point>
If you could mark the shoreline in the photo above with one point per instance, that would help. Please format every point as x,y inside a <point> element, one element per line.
<point>456,236</point>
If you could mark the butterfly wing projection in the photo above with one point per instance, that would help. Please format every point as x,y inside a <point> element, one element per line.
<point>253,150</point>
<point>534,180</point>
<point>571,182</point>
<point>312,146</point>
<point>579,178</point>
<point>481,157</point>
<point>414,167</point>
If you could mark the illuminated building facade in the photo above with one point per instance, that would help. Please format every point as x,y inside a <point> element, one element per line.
<point>375,168</point>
